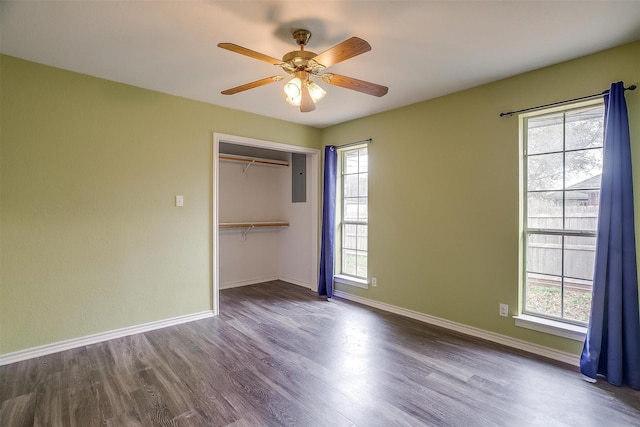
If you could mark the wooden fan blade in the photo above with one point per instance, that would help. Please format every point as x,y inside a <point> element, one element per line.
<point>355,84</point>
<point>306,103</point>
<point>250,53</point>
<point>343,51</point>
<point>252,85</point>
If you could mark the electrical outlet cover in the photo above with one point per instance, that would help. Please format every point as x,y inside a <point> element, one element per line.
<point>504,310</point>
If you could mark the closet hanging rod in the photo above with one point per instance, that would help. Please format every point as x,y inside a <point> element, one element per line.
<point>244,159</point>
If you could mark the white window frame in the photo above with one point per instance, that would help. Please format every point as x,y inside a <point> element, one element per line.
<point>564,327</point>
<point>341,276</point>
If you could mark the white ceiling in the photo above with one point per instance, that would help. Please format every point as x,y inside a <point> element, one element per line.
<point>420,49</point>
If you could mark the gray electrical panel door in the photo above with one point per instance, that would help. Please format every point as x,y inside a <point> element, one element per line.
<point>298,178</point>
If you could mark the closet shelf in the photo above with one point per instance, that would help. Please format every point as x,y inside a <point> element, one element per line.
<point>253,224</point>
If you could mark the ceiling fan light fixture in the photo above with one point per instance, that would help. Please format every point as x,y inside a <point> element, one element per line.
<point>316,92</point>
<point>293,90</point>
<point>294,101</point>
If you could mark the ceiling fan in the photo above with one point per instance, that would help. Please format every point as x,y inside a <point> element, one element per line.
<point>304,64</point>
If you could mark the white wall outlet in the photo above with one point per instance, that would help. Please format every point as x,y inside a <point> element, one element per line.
<point>374,281</point>
<point>179,200</point>
<point>504,310</point>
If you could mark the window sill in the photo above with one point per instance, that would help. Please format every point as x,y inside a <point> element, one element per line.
<point>553,327</point>
<point>351,281</point>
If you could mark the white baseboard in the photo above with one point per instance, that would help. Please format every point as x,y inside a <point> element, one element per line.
<point>265,279</point>
<point>296,282</point>
<point>247,282</point>
<point>56,347</point>
<point>539,350</point>
<point>43,350</point>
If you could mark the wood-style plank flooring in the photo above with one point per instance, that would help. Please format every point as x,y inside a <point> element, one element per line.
<point>280,355</point>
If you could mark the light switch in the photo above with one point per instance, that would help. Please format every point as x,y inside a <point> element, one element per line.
<point>180,200</point>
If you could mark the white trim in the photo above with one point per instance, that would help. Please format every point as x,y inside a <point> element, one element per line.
<point>553,327</point>
<point>315,221</point>
<point>266,279</point>
<point>351,281</point>
<point>260,143</point>
<point>247,282</point>
<point>215,261</point>
<point>550,353</point>
<point>297,282</point>
<point>56,347</point>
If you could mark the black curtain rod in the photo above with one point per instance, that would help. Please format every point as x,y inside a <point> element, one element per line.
<point>368,141</point>
<point>595,95</point>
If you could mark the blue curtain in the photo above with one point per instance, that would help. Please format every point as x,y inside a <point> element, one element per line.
<point>612,346</point>
<point>327,249</point>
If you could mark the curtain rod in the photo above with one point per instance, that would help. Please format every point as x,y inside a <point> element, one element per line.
<point>368,141</point>
<point>595,95</point>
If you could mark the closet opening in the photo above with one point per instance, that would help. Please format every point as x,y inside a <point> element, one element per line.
<point>265,217</point>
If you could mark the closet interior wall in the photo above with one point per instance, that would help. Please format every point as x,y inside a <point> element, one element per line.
<point>261,193</point>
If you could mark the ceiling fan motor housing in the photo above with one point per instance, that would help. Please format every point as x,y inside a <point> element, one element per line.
<point>299,58</point>
<point>302,37</point>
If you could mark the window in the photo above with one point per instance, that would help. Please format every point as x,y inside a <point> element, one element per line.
<point>354,212</point>
<point>562,167</point>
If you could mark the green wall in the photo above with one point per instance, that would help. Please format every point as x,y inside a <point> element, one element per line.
<point>91,240</point>
<point>444,192</point>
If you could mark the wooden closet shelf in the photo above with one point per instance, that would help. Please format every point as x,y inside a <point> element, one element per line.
<point>253,224</point>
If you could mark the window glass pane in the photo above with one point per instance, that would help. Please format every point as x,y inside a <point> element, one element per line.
<point>543,294</point>
<point>350,187</point>
<point>581,210</point>
<point>363,213</point>
<point>544,172</point>
<point>544,210</point>
<point>363,184</point>
<point>544,134</point>
<point>350,162</point>
<point>362,237</point>
<point>579,257</point>
<point>584,127</point>
<point>364,164</point>
<point>349,238</point>
<point>577,299</point>
<point>544,254</point>
<point>362,264</point>
<point>349,261</point>
<point>583,169</point>
<point>350,209</point>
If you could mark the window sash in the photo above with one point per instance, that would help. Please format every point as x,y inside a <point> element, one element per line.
<point>351,254</point>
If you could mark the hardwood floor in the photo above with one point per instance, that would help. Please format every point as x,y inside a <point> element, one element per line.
<point>280,355</point>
